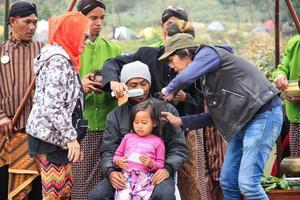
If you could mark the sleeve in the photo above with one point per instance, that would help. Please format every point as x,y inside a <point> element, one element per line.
<point>284,66</point>
<point>120,150</point>
<point>56,92</point>
<point>159,161</point>
<point>207,60</point>
<point>2,113</point>
<point>111,141</point>
<point>193,122</point>
<point>194,101</point>
<point>112,68</point>
<point>175,144</point>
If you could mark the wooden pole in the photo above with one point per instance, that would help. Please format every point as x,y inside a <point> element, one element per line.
<point>6,27</point>
<point>28,92</point>
<point>293,13</point>
<point>277,60</point>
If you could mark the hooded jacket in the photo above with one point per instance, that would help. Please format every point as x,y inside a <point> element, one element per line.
<point>56,94</point>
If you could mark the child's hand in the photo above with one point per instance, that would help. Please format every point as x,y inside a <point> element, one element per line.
<point>147,161</point>
<point>122,163</point>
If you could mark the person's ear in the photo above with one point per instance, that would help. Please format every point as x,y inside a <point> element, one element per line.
<point>12,20</point>
<point>154,124</point>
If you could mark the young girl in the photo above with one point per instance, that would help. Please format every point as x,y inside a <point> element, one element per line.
<point>141,152</point>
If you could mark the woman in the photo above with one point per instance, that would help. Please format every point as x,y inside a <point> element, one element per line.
<point>242,103</point>
<point>58,98</point>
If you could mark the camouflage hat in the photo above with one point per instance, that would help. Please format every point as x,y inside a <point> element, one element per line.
<point>176,42</point>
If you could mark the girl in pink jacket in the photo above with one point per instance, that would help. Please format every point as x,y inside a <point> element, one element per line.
<point>140,153</point>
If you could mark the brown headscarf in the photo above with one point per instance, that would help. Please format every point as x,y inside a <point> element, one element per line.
<point>68,31</point>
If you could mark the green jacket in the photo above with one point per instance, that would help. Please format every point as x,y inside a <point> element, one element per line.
<point>97,106</point>
<point>290,67</point>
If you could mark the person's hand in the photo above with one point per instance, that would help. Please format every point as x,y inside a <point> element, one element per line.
<point>122,163</point>
<point>295,100</point>
<point>179,97</point>
<point>91,86</point>
<point>159,176</point>
<point>147,161</point>
<point>73,151</point>
<point>6,127</point>
<point>118,88</point>
<point>281,82</point>
<point>117,180</point>
<point>174,120</point>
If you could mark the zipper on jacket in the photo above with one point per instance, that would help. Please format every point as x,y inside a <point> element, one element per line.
<point>230,92</point>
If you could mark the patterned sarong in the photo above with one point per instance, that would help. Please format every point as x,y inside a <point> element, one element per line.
<point>57,179</point>
<point>22,168</point>
<point>188,176</point>
<point>87,173</point>
<point>295,139</point>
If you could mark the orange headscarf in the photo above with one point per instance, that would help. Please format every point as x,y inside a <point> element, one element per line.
<point>68,31</point>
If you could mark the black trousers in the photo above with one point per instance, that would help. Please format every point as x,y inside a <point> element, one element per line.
<point>4,182</point>
<point>105,191</point>
<point>35,194</point>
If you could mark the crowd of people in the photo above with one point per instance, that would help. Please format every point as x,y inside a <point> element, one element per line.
<point>69,138</point>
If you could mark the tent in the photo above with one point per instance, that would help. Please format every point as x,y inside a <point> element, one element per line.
<point>1,30</point>
<point>149,33</point>
<point>124,33</point>
<point>216,26</point>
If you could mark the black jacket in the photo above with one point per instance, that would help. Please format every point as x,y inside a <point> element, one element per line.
<point>161,75</point>
<point>117,125</point>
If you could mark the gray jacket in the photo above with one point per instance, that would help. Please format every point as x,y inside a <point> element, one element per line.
<point>56,94</point>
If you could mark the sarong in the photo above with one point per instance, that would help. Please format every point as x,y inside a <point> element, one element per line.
<point>22,168</point>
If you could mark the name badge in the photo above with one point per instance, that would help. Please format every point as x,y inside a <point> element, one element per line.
<point>4,59</point>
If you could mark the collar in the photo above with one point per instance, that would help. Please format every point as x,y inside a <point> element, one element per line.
<point>16,43</point>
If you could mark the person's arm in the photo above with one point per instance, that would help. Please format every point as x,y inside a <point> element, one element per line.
<point>189,122</point>
<point>112,68</point>
<point>57,88</point>
<point>198,121</point>
<point>111,141</point>
<point>159,161</point>
<point>284,68</point>
<point>282,73</point>
<point>120,150</point>
<point>206,60</point>
<point>175,144</point>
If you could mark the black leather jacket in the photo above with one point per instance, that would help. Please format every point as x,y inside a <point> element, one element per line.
<point>117,125</point>
<point>235,92</point>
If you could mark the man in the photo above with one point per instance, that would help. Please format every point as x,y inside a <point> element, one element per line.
<point>187,101</point>
<point>289,70</point>
<point>97,103</point>
<point>136,75</point>
<point>249,117</point>
<point>16,74</point>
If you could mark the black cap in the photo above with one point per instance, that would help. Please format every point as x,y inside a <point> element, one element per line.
<point>177,12</point>
<point>22,9</point>
<point>86,6</point>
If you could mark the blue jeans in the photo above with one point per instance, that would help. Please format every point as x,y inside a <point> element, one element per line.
<point>247,154</point>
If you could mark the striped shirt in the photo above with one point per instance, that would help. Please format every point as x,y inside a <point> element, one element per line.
<point>15,76</point>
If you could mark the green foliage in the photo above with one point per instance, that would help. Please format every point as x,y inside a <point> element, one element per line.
<point>260,50</point>
<point>270,183</point>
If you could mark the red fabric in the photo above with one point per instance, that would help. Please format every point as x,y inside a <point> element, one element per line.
<point>68,31</point>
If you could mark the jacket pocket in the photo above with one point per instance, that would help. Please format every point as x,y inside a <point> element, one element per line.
<point>229,92</point>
